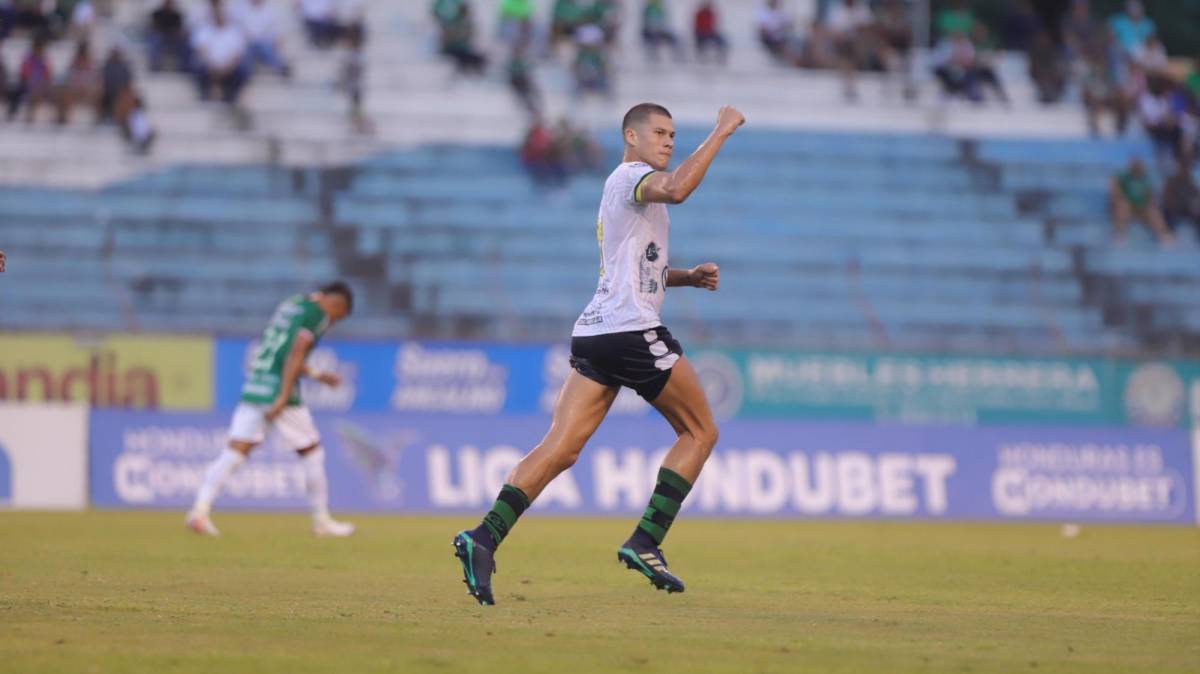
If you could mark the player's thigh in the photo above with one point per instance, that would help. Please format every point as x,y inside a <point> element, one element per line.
<point>683,403</point>
<point>582,404</point>
<point>297,429</point>
<point>248,427</point>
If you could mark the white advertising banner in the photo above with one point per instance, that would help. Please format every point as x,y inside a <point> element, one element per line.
<point>43,456</point>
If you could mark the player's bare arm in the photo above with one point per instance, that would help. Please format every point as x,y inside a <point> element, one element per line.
<point>326,378</point>
<point>707,276</point>
<point>291,371</point>
<point>674,187</point>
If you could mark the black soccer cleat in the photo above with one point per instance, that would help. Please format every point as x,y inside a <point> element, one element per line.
<point>478,565</point>
<point>650,562</point>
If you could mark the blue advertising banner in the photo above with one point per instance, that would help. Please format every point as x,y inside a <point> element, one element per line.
<point>452,463</point>
<point>457,378</point>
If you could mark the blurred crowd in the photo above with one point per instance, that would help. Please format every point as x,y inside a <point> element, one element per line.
<point>107,87</point>
<point>223,44</point>
<point>219,44</point>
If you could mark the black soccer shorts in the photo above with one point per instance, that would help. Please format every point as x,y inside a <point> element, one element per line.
<point>641,359</point>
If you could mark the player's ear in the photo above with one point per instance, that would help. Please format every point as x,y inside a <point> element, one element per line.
<point>630,136</point>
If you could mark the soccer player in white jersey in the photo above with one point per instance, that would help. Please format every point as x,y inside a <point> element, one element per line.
<point>271,399</point>
<point>621,341</point>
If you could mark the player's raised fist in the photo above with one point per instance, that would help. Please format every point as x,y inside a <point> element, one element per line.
<point>729,119</point>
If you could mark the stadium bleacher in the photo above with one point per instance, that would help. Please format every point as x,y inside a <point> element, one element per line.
<point>965,235</point>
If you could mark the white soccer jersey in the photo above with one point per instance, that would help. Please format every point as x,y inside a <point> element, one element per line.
<point>633,258</point>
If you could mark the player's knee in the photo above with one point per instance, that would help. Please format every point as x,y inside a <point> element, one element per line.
<point>566,458</point>
<point>706,437</point>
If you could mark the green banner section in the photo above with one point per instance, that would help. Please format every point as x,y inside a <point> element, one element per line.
<point>958,390</point>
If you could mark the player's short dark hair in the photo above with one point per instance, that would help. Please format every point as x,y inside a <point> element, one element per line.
<point>340,288</point>
<point>641,112</point>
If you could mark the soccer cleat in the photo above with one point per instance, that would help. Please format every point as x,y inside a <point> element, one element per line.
<point>330,528</point>
<point>650,562</point>
<point>478,566</point>
<point>201,524</point>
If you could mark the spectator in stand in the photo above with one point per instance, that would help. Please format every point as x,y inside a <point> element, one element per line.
<point>1181,197</point>
<point>963,72</point>
<point>774,28</point>
<point>894,25</point>
<point>1131,27</point>
<point>656,30</point>
<point>116,78</point>
<point>458,42</point>
<point>82,20</point>
<point>607,15</point>
<point>591,62</point>
<point>445,11</point>
<point>1151,55</point>
<point>516,22</point>
<point>1086,38</point>
<point>168,38</point>
<point>520,78</point>
<point>263,29</point>
<point>707,36</point>
<point>955,20</point>
<point>566,17</point>
<point>1047,68</point>
<point>354,75</point>
<point>1021,27</point>
<point>1160,116</point>
<point>1191,82</point>
<point>577,148</point>
<point>540,155</point>
<point>1132,196</point>
<point>35,81</point>
<point>986,54</point>
<point>81,83</point>
<point>220,53</point>
<point>320,22</point>
<point>852,26</point>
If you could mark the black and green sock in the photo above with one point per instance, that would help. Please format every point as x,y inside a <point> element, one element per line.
<point>669,492</point>
<point>510,503</point>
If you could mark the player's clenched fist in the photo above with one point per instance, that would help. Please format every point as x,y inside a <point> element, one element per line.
<point>729,119</point>
<point>707,276</point>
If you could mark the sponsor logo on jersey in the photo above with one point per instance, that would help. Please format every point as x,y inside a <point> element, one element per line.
<point>652,252</point>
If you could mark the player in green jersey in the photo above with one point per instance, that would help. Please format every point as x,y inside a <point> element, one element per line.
<point>271,399</point>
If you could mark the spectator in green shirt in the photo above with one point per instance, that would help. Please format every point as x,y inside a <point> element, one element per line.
<point>1131,195</point>
<point>516,22</point>
<point>567,16</point>
<point>957,19</point>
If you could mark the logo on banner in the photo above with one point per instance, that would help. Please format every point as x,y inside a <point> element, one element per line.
<point>1154,396</point>
<point>459,381</point>
<point>5,477</point>
<point>377,458</point>
<point>722,382</point>
<point>1059,479</point>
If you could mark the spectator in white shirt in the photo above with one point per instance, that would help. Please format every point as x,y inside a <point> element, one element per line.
<point>851,24</point>
<point>260,24</point>
<point>220,50</point>
<point>774,28</point>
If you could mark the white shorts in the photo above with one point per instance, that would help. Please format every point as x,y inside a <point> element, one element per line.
<point>294,423</point>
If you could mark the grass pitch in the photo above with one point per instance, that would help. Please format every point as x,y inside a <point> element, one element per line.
<point>116,592</point>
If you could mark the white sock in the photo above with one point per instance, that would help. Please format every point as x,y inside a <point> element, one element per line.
<point>315,483</point>
<point>218,471</point>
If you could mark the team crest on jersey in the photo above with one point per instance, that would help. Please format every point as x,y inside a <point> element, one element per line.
<point>652,252</point>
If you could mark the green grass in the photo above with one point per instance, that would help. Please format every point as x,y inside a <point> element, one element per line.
<point>110,592</point>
